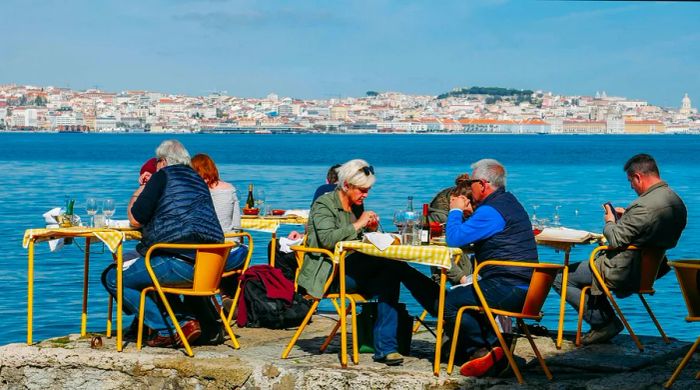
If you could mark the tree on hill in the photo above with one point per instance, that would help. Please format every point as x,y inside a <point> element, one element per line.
<point>372,93</point>
<point>520,95</point>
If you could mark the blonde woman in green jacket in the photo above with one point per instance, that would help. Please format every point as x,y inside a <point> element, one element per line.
<point>340,216</point>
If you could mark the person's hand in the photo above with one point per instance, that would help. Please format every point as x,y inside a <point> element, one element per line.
<point>144,178</point>
<point>364,219</point>
<point>609,217</point>
<point>294,235</point>
<point>459,202</point>
<point>619,211</point>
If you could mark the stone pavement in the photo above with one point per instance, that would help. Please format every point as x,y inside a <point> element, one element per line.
<point>70,362</point>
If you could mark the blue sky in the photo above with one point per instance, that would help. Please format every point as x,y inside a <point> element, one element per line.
<point>320,49</point>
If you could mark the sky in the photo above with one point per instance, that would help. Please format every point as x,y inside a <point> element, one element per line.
<point>322,49</point>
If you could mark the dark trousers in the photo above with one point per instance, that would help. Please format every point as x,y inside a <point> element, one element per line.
<point>598,312</point>
<point>475,331</point>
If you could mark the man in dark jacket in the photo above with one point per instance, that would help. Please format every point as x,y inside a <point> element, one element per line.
<point>499,229</point>
<point>174,206</point>
<point>655,219</point>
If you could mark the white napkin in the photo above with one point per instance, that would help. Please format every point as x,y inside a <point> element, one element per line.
<point>298,213</point>
<point>119,223</point>
<point>380,240</point>
<point>286,243</point>
<point>51,216</point>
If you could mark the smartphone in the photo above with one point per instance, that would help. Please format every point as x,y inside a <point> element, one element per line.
<point>608,204</point>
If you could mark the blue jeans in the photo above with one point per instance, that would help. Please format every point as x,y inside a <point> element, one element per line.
<point>169,270</point>
<point>236,258</point>
<point>381,278</point>
<point>475,331</point>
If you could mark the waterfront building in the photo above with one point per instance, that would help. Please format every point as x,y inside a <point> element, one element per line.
<point>686,107</point>
<point>644,127</point>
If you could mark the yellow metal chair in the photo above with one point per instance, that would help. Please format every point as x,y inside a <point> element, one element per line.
<point>208,268</point>
<point>240,271</point>
<point>542,278</point>
<point>650,262</point>
<point>688,273</point>
<point>334,297</point>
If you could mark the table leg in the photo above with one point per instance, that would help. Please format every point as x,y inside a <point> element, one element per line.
<point>441,309</point>
<point>343,314</point>
<point>86,273</point>
<point>273,243</point>
<point>562,303</point>
<point>120,293</point>
<point>30,289</point>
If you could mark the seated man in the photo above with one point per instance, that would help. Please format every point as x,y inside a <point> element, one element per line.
<point>162,207</point>
<point>499,229</point>
<point>331,183</point>
<point>656,219</point>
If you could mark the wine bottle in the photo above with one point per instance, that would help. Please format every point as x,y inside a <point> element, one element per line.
<point>250,201</point>
<point>425,227</point>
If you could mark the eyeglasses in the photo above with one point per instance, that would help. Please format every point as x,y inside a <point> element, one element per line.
<point>472,181</point>
<point>367,170</point>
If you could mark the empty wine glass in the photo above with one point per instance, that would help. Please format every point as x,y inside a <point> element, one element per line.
<point>556,219</point>
<point>259,198</point>
<point>108,209</point>
<point>533,218</point>
<point>91,209</point>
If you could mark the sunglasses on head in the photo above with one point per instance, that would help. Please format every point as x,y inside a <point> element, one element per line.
<point>367,170</point>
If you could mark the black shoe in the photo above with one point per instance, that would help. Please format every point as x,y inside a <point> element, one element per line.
<point>390,359</point>
<point>604,334</point>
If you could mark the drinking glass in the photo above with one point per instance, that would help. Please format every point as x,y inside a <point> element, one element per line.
<point>556,219</point>
<point>533,218</point>
<point>108,209</point>
<point>91,209</point>
<point>259,198</point>
<point>400,220</point>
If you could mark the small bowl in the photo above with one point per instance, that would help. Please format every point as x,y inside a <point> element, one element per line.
<point>278,212</point>
<point>251,211</point>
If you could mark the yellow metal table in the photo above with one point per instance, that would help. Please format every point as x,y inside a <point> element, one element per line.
<point>436,255</point>
<point>565,243</point>
<point>270,224</point>
<point>112,238</point>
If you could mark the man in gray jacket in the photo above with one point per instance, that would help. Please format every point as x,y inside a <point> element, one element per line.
<point>654,220</point>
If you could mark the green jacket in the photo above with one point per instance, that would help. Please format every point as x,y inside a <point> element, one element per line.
<point>655,219</point>
<point>328,224</point>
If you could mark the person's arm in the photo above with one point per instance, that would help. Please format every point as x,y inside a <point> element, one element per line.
<point>484,223</point>
<point>145,199</point>
<point>325,224</point>
<point>236,217</point>
<point>629,228</point>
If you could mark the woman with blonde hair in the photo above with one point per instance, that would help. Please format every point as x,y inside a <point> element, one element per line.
<point>339,216</point>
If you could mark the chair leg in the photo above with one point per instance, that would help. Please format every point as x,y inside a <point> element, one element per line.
<point>236,296</point>
<point>534,349</point>
<point>504,345</point>
<point>142,309</point>
<point>330,337</point>
<point>680,367</point>
<point>421,318</point>
<point>110,302</point>
<point>227,326</point>
<point>353,318</point>
<point>455,335</point>
<point>653,318</point>
<point>581,308</point>
<point>623,319</point>
<point>176,324</point>
<point>294,339</point>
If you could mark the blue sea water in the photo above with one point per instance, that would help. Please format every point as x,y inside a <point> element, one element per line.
<point>577,173</point>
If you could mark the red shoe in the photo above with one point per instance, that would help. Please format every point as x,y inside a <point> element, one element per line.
<point>191,329</point>
<point>482,363</point>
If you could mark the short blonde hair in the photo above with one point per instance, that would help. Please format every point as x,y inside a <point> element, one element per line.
<point>356,173</point>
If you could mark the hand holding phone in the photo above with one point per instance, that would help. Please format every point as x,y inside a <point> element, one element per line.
<point>612,210</point>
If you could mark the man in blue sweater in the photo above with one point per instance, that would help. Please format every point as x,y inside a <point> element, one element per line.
<point>499,229</point>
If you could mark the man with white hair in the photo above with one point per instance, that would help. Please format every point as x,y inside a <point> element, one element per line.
<point>174,206</point>
<point>499,229</point>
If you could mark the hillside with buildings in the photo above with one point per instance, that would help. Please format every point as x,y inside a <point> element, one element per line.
<point>472,110</point>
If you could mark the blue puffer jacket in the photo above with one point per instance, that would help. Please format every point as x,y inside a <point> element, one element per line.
<point>185,212</point>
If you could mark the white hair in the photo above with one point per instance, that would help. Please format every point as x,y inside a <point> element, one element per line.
<point>353,174</point>
<point>490,170</point>
<point>173,152</point>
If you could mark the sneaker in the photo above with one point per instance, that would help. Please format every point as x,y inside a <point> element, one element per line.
<point>390,359</point>
<point>604,334</point>
<point>482,362</point>
<point>190,328</point>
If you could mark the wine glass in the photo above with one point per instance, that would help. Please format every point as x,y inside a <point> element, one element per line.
<point>259,198</point>
<point>91,209</point>
<point>108,209</point>
<point>556,219</point>
<point>400,220</point>
<point>533,218</point>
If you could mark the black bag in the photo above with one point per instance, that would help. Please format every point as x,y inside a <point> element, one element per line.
<point>264,312</point>
<point>209,322</point>
<point>285,262</point>
<point>365,328</point>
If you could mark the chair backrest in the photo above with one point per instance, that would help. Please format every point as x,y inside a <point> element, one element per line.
<point>209,266</point>
<point>688,273</point>
<point>651,261</point>
<point>542,278</point>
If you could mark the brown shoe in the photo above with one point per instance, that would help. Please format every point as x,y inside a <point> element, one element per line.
<point>191,330</point>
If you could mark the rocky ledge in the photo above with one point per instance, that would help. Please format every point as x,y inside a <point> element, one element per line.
<point>71,362</point>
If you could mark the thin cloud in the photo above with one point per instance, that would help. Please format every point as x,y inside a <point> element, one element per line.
<point>282,18</point>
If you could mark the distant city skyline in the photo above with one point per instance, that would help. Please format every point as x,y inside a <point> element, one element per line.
<point>319,50</point>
